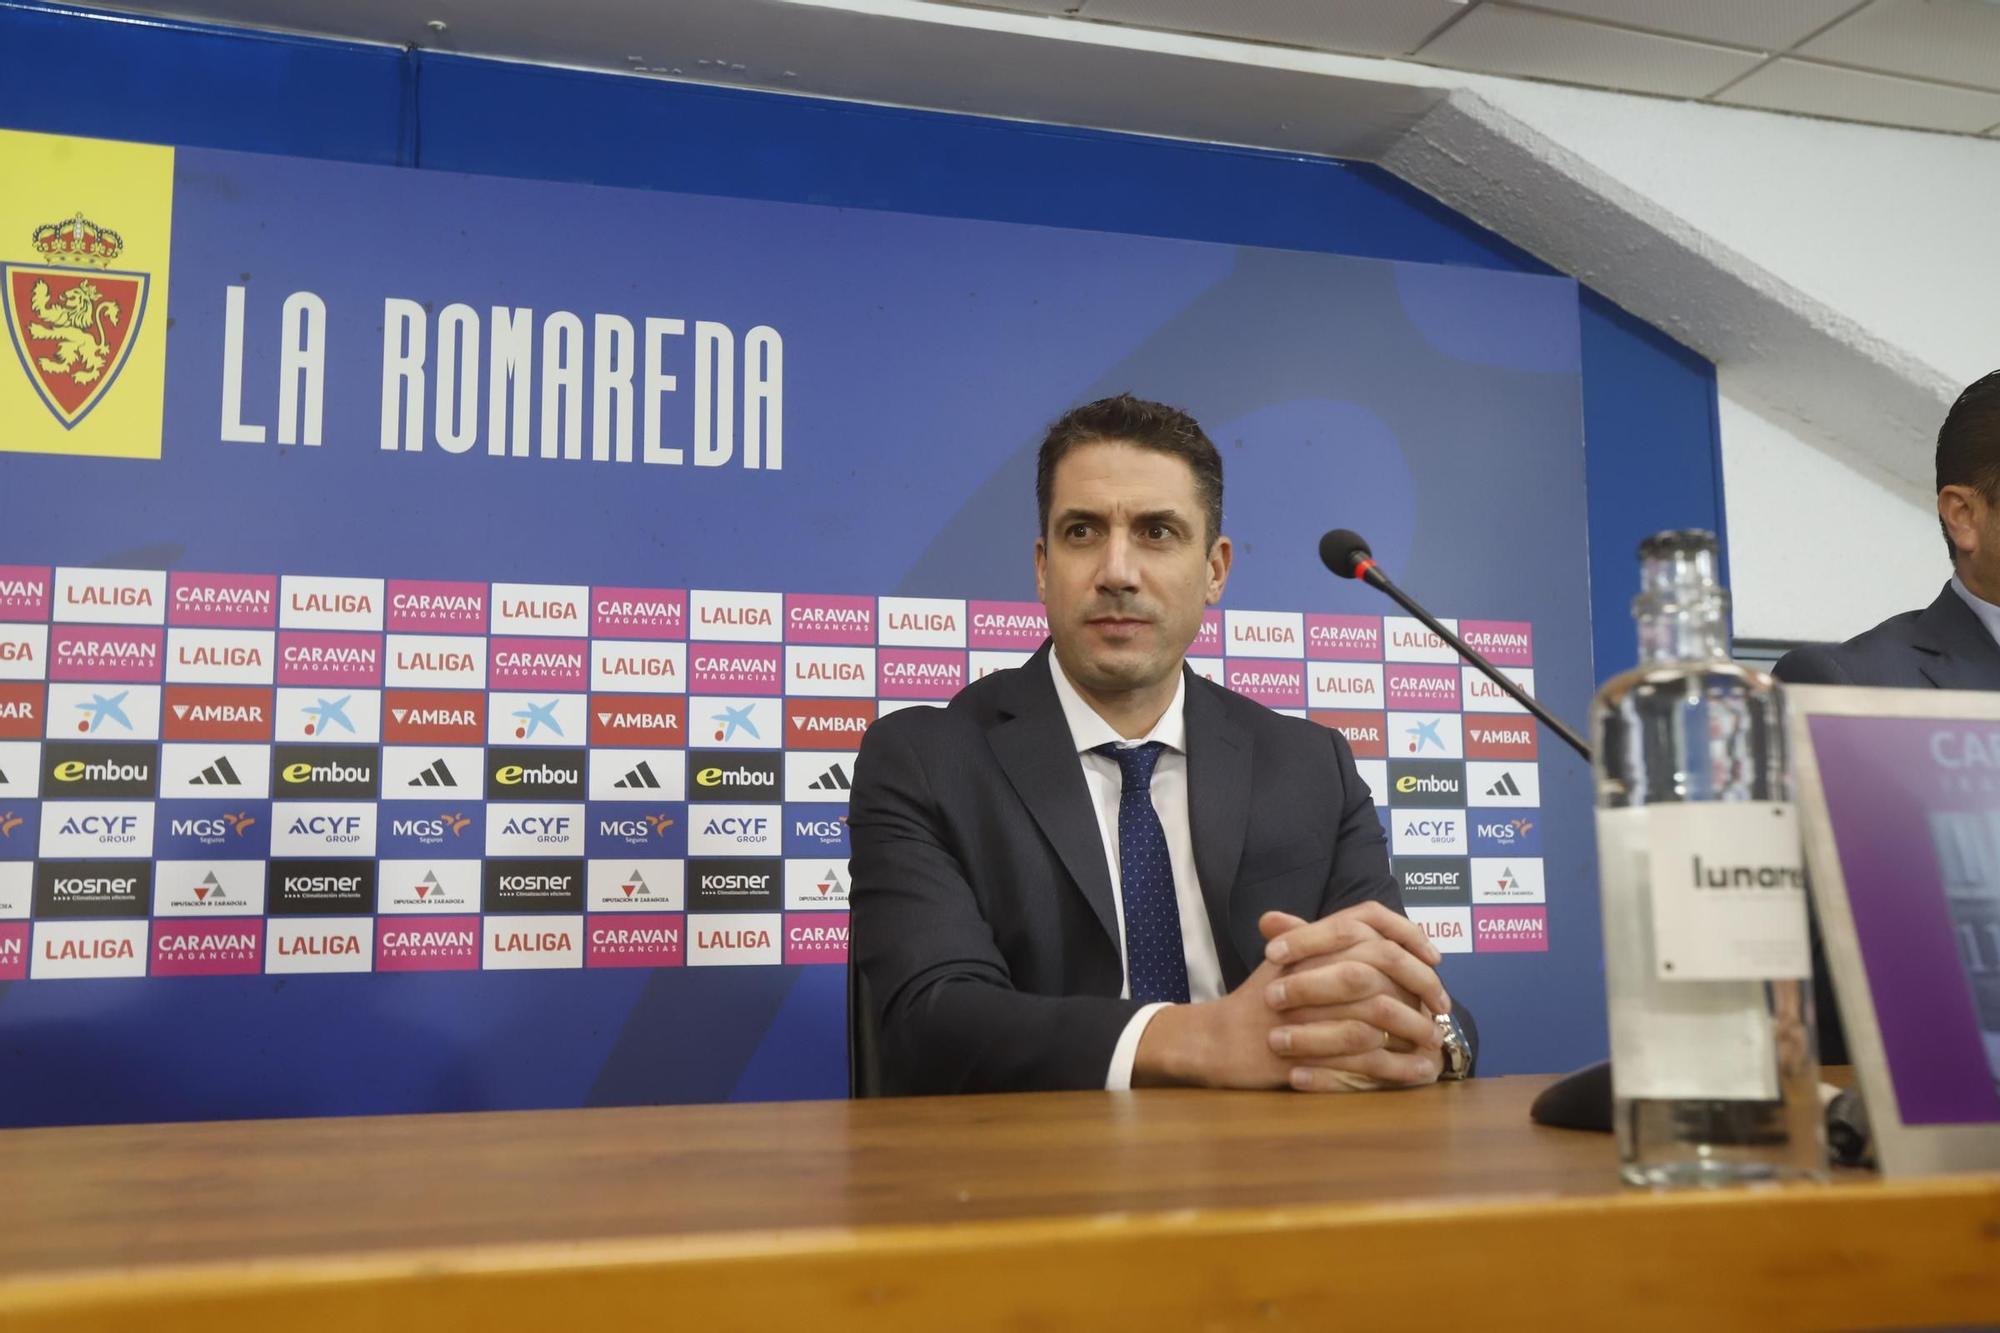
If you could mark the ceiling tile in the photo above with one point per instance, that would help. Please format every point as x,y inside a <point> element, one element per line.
<point>1764,25</point>
<point>1849,94</point>
<point>1497,39</point>
<point>1957,41</point>
<point>1360,27</point>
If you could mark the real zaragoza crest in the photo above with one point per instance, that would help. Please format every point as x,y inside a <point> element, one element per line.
<point>73,318</point>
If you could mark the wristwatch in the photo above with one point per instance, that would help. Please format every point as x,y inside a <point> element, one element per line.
<point>1457,1051</point>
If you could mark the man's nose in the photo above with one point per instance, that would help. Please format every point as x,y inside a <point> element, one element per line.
<point>1118,572</point>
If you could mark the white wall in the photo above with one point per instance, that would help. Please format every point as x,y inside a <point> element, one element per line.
<point>1818,549</point>
<point>1882,237</point>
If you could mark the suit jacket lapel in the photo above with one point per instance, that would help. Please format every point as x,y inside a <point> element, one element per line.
<point>1959,654</point>
<point>1218,812</point>
<point>1038,755</point>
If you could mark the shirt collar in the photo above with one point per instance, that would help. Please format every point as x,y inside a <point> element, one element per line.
<point>1089,730</point>
<point>1989,614</point>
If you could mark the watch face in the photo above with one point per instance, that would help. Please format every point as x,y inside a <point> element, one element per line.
<point>1457,1056</point>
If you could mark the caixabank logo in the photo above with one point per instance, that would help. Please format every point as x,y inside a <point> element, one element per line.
<point>85,232</point>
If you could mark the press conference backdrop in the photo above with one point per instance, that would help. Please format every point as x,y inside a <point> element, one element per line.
<point>438,610</point>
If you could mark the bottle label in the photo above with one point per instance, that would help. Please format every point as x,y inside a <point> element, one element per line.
<point>1729,891</point>
<point>1671,1039</point>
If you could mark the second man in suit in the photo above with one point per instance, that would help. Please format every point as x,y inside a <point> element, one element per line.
<point>1100,870</point>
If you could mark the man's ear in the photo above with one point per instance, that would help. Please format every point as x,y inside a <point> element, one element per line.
<point>1220,555</point>
<point>1041,570</point>
<point>1962,509</point>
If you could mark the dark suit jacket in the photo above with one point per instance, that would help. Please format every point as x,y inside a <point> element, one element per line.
<point>1944,646</point>
<point>983,921</point>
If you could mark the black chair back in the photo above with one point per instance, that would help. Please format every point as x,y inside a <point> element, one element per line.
<point>864,1061</point>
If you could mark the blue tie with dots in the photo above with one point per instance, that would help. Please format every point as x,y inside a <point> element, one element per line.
<point>1153,953</point>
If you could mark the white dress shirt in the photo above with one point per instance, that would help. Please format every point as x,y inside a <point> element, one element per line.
<point>1169,790</point>
<point>1989,614</point>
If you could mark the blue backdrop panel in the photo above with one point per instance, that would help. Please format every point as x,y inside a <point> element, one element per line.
<point>1648,404</point>
<point>922,356</point>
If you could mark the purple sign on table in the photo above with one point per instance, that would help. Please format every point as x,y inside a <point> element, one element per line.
<point>1886,781</point>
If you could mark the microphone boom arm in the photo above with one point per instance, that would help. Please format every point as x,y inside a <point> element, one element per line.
<point>1366,569</point>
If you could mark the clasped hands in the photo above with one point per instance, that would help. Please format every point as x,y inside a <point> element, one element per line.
<point>1338,1004</point>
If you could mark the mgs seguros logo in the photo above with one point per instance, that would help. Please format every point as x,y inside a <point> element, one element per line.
<point>72,317</point>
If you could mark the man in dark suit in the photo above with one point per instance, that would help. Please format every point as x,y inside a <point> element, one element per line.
<point>1952,644</point>
<point>1099,870</point>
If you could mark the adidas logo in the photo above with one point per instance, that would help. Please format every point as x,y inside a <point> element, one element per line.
<point>642,776</point>
<point>834,779</point>
<point>3,777</point>
<point>437,775</point>
<point>429,885</point>
<point>635,885</point>
<point>209,884</point>
<point>1506,786</point>
<point>217,774</point>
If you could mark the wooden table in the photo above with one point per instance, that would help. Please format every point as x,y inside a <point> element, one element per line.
<point>1155,1210</point>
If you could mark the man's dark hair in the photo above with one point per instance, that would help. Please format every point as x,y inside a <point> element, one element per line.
<point>1968,444</point>
<point>1144,425</point>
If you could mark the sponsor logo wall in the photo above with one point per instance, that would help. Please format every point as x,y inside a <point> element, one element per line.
<point>440,655</point>
<point>511,805</point>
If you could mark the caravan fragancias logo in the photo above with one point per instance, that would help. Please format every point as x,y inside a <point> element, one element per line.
<point>73,318</point>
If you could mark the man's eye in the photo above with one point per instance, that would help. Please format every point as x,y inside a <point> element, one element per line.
<point>1079,531</point>
<point>1159,532</point>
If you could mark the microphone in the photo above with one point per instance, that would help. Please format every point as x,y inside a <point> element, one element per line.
<point>1346,553</point>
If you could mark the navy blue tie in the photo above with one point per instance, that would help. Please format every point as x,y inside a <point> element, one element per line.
<point>1153,953</point>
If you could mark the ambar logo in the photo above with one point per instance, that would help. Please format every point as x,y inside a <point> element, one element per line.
<point>1367,733</point>
<point>638,720</point>
<point>21,710</point>
<point>827,724</point>
<point>434,717</point>
<point>216,713</point>
<point>1499,738</point>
